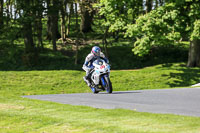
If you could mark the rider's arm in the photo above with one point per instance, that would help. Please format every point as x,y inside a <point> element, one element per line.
<point>87,60</point>
<point>104,57</point>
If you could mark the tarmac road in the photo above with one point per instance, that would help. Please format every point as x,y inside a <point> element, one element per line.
<point>184,101</point>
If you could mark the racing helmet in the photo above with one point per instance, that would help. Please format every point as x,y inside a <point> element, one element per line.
<point>96,51</point>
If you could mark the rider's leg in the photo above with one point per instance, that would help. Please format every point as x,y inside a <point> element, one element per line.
<point>87,78</point>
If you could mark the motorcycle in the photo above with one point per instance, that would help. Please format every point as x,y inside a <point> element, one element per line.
<point>100,77</point>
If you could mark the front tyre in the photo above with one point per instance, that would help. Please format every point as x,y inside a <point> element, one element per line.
<point>108,84</point>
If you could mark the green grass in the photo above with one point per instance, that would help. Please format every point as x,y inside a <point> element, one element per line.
<point>19,114</point>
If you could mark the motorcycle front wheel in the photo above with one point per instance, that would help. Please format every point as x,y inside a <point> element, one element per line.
<point>108,84</point>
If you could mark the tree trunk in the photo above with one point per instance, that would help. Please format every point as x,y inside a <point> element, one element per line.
<point>48,20</point>
<point>194,54</point>
<point>105,43</point>
<point>7,12</point>
<point>1,13</point>
<point>161,2</point>
<point>76,56</point>
<point>11,10</point>
<point>148,5</point>
<point>69,18</point>
<point>15,12</point>
<point>63,20</point>
<point>86,16</point>
<point>76,11</point>
<point>54,23</point>
<point>53,32</point>
<point>28,38</point>
<point>27,29</point>
<point>139,8</point>
<point>39,23</point>
<point>39,33</point>
<point>156,3</point>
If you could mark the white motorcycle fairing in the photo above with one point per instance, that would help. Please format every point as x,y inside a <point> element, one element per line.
<point>100,68</point>
<point>100,77</point>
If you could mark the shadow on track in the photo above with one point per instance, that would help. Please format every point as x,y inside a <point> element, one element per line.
<point>120,92</point>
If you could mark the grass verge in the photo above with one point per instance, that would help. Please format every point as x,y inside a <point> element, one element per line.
<point>19,114</point>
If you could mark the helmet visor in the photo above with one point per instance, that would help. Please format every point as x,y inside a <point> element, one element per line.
<point>96,52</point>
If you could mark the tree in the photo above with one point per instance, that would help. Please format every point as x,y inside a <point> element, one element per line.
<point>1,13</point>
<point>52,22</point>
<point>63,19</point>
<point>167,25</point>
<point>148,5</point>
<point>87,13</point>
<point>53,7</point>
<point>38,21</point>
<point>194,51</point>
<point>48,20</point>
<point>116,15</point>
<point>70,7</point>
<point>26,21</point>
<point>76,13</point>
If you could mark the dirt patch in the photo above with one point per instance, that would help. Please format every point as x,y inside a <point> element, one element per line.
<point>8,106</point>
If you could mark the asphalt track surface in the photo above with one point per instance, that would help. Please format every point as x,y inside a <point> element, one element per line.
<point>184,101</point>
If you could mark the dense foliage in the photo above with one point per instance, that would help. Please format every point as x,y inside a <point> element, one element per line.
<point>119,13</point>
<point>159,27</point>
<point>166,25</point>
<point>32,30</point>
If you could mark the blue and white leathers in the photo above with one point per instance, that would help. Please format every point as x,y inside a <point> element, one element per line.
<point>88,64</point>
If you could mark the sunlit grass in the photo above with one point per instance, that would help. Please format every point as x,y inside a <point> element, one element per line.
<point>19,114</point>
<point>38,116</point>
<point>68,81</point>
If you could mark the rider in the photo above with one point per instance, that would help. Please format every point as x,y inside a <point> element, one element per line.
<point>87,66</point>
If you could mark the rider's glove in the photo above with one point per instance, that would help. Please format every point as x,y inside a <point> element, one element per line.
<point>106,60</point>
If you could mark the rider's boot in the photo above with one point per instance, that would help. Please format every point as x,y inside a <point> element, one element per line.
<point>86,79</point>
